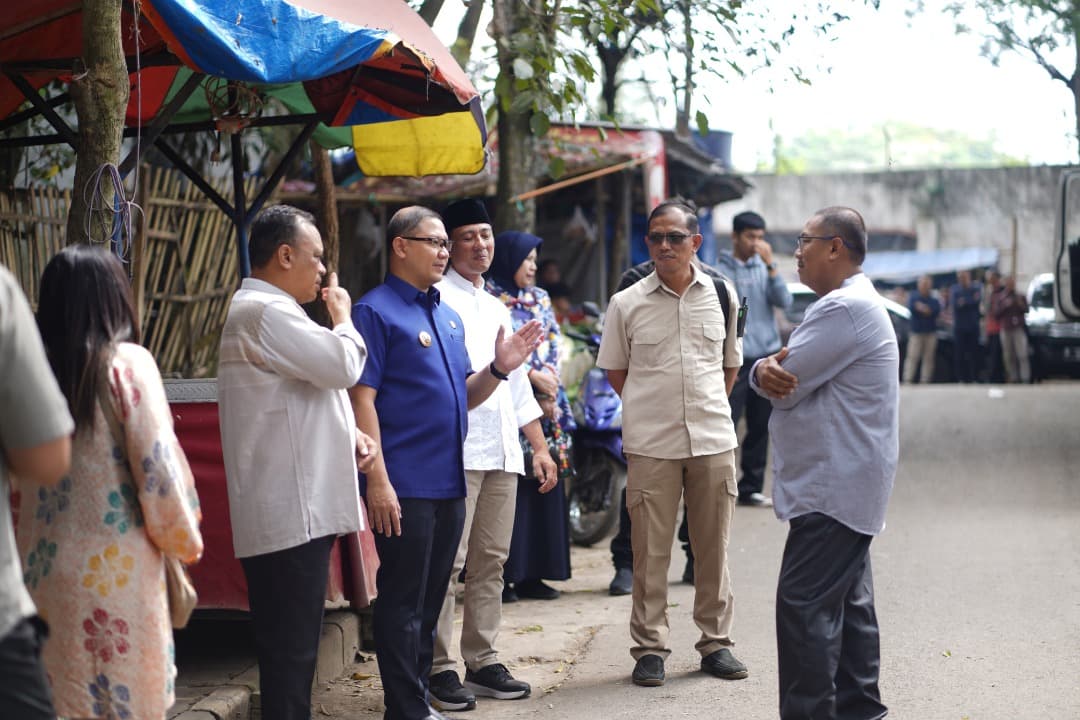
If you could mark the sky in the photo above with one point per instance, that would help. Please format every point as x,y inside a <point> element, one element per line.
<point>881,67</point>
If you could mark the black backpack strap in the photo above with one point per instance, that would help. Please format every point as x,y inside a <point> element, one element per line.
<point>723,297</point>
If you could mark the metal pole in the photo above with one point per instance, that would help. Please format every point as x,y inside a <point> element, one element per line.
<point>239,204</point>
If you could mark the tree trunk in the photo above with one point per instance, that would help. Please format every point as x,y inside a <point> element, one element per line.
<point>682,123</point>
<point>517,154</point>
<point>462,47</point>
<point>327,215</point>
<point>100,92</point>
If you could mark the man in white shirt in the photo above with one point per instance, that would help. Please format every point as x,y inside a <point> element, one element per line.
<point>290,445</point>
<point>493,460</point>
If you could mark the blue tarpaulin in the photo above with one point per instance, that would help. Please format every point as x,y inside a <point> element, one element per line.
<point>903,267</point>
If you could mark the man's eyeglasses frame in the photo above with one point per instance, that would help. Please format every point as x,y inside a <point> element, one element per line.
<point>436,242</point>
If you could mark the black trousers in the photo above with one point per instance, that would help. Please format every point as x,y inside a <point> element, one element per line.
<point>826,627</point>
<point>966,353</point>
<point>24,689</point>
<point>287,593</point>
<point>755,444</point>
<point>414,572</point>
<point>622,554</point>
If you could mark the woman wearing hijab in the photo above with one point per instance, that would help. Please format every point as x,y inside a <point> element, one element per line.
<point>540,548</point>
<point>93,546</point>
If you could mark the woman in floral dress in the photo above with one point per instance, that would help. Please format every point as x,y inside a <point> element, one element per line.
<point>92,546</point>
<point>540,548</point>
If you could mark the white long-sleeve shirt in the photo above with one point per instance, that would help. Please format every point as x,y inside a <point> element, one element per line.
<point>287,429</point>
<point>492,441</point>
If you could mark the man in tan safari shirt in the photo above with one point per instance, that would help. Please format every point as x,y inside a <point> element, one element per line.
<point>673,356</point>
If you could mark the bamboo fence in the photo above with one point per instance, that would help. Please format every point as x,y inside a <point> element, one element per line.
<point>182,262</point>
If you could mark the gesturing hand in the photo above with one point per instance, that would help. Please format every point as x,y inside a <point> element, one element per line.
<point>773,379</point>
<point>337,300</point>
<point>511,352</point>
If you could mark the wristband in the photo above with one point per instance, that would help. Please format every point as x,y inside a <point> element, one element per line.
<point>496,373</point>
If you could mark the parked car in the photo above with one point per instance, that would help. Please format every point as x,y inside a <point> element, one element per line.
<point>1055,346</point>
<point>803,297</point>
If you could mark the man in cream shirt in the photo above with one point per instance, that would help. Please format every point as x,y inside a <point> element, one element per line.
<point>493,460</point>
<point>672,355</point>
<point>290,446</point>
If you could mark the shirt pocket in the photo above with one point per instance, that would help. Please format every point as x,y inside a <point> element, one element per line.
<point>647,348</point>
<point>711,342</point>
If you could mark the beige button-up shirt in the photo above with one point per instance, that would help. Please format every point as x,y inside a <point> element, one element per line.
<point>674,349</point>
<point>288,436</point>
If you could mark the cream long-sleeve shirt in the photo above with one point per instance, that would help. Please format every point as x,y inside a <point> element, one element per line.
<point>492,441</point>
<point>287,430</point>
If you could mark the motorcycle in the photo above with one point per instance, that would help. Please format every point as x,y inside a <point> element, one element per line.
<point>593,496</point>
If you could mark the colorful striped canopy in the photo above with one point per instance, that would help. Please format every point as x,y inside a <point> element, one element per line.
<point>374,72</point>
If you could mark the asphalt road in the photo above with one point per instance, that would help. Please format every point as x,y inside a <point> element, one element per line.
<point>977,578</point>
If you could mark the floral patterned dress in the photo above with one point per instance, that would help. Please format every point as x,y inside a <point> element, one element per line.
<point>91,550</point>
<point>540,546</point>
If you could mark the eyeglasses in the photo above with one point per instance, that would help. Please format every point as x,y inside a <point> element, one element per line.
<point>439,243</point>
<point>674,239</point>
<point>804,240</point>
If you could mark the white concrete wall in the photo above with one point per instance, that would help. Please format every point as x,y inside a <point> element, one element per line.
<point>943,208</point>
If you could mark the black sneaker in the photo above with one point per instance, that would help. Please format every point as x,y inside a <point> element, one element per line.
<point>723,664</point>
<point>495,681</point>
<point>622,583</point>
<point>649,671</point>
<point>447,693</point>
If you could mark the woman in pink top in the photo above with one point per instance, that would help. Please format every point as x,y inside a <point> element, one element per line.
<point>92,546</point>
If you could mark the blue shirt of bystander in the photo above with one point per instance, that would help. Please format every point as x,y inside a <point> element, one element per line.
<point>418,363</point>
<point>921,323</point>
<point>965,307</point>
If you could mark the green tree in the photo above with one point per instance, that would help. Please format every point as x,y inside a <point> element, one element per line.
<point>1036,29</point>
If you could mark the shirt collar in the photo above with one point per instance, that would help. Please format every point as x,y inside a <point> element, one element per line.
<point>652,281</point>
<point>412,294</point>
<point>250,283</point>
<point>462,282</point>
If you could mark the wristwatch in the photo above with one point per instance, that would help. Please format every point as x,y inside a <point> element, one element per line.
<point>771,266</point>
<point>496,373</point>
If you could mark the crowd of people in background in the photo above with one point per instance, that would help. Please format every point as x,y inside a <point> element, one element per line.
<point>988,329</point>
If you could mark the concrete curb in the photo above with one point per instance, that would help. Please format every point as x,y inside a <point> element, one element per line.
<point>224,703</point>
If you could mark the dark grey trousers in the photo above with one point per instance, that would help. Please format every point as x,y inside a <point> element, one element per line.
<point>826,628</point>
<point>24,690</point>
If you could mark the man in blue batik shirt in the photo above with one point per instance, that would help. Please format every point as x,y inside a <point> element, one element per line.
<point>751,268</point>
<point>413,398</point>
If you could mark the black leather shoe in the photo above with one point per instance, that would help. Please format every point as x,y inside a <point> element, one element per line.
<point>622,583</point>
<point>509,595</point>
<point>723,664</point>
<point>649,671</point>
<point>536,590</point>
